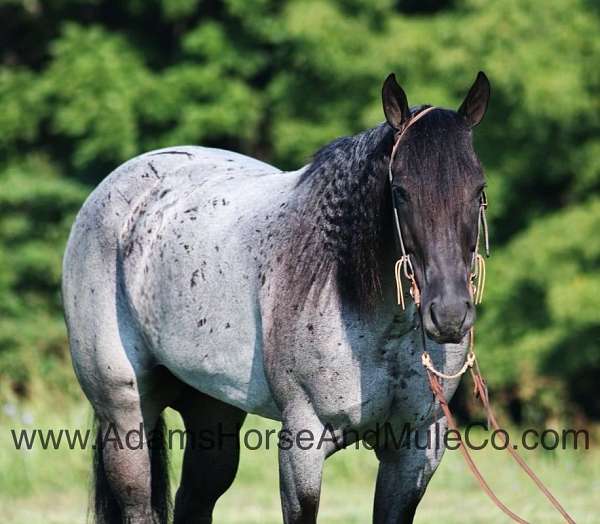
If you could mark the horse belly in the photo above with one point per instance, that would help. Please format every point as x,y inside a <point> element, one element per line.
<point>229,368</point>
<point>203,326</point>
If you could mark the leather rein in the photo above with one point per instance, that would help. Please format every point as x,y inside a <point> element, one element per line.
<point>404,267</point>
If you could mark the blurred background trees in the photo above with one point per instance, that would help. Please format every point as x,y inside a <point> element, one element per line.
<point>87,84</point>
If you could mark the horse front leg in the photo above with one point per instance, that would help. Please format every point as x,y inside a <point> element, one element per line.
<point>404,473</point>
<point>301,458</point>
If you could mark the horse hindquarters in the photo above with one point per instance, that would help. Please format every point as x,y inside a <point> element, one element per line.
<point>122,386</point>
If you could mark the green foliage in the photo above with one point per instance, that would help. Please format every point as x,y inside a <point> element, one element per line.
<point>86,84</point>
<point>95,83</point>
<point>37,207</point>
<point>541,318</point>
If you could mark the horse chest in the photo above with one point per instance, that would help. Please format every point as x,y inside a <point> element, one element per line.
<point>376,380</point>
<point>350,393</point>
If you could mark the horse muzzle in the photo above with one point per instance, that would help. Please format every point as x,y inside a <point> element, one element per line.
<point>447,319</point>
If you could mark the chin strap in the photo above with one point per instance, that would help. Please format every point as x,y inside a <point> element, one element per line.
<point>404,268</point>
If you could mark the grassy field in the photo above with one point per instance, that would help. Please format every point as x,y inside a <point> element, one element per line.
<point>50,486</point>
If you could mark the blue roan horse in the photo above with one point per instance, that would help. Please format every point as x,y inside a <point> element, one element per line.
<point>218,285</point>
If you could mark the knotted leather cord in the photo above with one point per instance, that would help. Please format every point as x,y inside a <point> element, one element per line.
<point>482,392</point>
<point>428,364</point>
<point>438,391</point>
<point>478,262</point>
<point>478,279</point>
<point>477,284</point>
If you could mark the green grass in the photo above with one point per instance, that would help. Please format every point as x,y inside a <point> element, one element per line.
<point>50,486</point>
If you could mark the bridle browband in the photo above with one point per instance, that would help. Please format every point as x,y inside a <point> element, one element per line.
<point>405,267</point>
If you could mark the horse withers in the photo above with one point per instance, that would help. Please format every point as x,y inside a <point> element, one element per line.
<point>216,284</point>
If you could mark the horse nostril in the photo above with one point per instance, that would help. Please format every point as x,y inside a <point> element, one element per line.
<point>464,318</point>
<point>432,315</point>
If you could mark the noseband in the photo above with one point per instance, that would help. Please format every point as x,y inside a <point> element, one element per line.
<point>477,282</point>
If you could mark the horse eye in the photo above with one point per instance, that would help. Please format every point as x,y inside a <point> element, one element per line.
<point>400,196</point>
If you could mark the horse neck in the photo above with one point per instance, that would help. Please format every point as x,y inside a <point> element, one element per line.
<point>345,219</point>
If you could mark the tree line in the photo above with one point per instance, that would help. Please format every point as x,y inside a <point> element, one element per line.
<point>87,84</point>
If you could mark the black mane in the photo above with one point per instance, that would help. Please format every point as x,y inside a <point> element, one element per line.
<point>344,217</point>
<point>344,211</point>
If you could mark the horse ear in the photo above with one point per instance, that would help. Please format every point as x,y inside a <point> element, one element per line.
<point>475,104</point>
<point>395,104</point>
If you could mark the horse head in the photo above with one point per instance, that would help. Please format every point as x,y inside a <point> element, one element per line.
<point>437,186</point>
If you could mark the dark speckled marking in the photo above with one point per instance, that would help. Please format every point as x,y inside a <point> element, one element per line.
<point>408,373</point>
<point>127,200</point>
<point>151,165</point>
<point>189,155</point>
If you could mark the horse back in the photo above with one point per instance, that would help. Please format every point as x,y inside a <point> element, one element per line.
<point>189,231</point>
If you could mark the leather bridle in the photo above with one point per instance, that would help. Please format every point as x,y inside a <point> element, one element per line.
<point>404,267</point>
